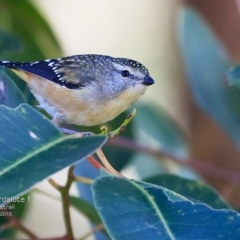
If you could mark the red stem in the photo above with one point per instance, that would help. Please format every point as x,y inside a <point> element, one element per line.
<point>94,162</point>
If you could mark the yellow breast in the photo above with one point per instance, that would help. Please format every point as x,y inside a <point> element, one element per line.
<point>79,107</point>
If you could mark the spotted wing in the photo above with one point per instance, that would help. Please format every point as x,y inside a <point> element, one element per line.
<point>71,72</point>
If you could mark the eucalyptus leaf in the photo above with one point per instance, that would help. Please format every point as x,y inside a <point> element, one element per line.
<point>32,149</point>
<point>10,95</point>
<point>206,61</point>
<point>85,208</point>
<point>25,36</point>
<point>152,126</point>
<point>9,42</point>
<point>196,191</point>
<point>139,210</point>
<point>233,76</point>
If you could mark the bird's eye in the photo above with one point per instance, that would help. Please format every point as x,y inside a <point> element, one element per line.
<point>125,73</point>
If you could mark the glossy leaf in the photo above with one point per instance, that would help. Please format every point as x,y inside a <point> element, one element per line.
<point>10,95</point>
<point>32,149</point>
<point>138,210</point>
<point>154,127</point>
<point>206,61</point>
<point>196,191</point>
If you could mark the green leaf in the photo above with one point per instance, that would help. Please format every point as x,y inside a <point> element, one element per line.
<point>233,76</point>
<point>196,191</point>
<point>10,95</point>
<point>32,149</point>
<point>154,127</point>
<point>206,61</point>
<point>88,210</point>
<point>85,208</point>
<point>9,42</point>
<point>138,210</point>
<point>23,20</point>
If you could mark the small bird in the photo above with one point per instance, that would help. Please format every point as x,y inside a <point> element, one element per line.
<point>84,90</point>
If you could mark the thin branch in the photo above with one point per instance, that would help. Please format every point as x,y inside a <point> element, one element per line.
<point>18,225</point>
<point>92,231</point>
<point>122,127</point>
<point>54,184</point>
<point>66,203</point>
<point>57,238</point>
<point>94,162</point>
<point>83,180</point>
<point>201,167</point>
<point>64,191</point>
<point>6,226</point>
<point>106,164</point>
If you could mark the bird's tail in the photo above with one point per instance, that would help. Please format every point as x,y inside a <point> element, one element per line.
<point>14,67</point>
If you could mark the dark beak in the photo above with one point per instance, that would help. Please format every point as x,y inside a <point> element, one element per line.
<point>147,81</point>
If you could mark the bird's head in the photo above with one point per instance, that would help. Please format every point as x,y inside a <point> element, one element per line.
<point>116,75</point>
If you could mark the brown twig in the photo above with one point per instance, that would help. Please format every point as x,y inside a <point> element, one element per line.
<point>201,167</point>
<point>14,222</point>
<point>54,184</point>
<point>64,191</point>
